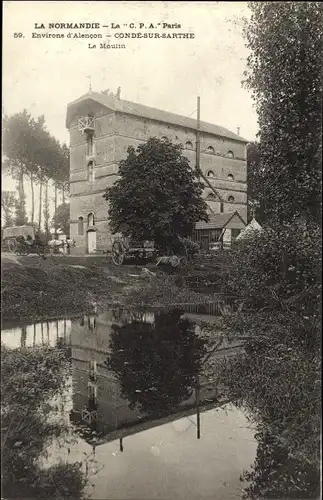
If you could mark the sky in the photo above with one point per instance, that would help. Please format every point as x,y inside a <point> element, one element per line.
<point>44,74</point>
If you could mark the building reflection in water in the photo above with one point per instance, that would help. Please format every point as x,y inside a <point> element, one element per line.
<point>132,368</point>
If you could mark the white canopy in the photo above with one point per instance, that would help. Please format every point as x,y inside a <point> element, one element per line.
<point>250,229</point>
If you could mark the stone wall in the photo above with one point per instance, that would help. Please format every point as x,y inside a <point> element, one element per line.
<point>114,133</point>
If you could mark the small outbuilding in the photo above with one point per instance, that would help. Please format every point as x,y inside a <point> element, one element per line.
<point>221,230</point>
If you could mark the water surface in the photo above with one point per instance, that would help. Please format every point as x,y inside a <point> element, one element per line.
<point>145,415</point>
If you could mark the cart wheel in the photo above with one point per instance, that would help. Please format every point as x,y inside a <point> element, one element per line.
<point>12,245</point>
<point>118,253</point>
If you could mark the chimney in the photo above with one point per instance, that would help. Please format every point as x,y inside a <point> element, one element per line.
<point>238,130</point>
<point>118,93</point>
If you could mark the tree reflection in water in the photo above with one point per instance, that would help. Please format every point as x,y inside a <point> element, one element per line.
<point>157,362</point>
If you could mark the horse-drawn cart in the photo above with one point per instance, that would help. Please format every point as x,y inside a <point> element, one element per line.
<point>12,236</point>
<point>22,240</point>
<point>126,248</point>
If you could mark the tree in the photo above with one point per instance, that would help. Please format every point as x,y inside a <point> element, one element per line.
<point>276,275</point>
<point>285,75</point>
<point>255,182</point>
<point>157,196</point>
<point>8,201</point>
<point>31,151</point>
<point>61,219</point>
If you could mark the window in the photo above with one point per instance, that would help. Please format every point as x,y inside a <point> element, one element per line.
<point>164,138</point>
<point>89,145</point>
<point>90,171</point>
<point>230,177</point>
<point>92,370</point>
<point>211,196</point>
<point>91,322</point>
<point>90,220</point>
<point>189,145</point>
<point>215,235</point>
<point>230,154</point>
<point>221,207</point>
<point>210,149</point>
<point>210,173</point>
<point>231,199</point>
<point>92,396</point>
<point>81,226</point>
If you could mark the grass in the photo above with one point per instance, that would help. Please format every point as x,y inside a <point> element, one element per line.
<point>33,288</point>
<point>35,292</point>
<point>27,427</point>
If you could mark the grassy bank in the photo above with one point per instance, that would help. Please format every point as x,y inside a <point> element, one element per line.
<point>33,288</point>
<point>54,289</point>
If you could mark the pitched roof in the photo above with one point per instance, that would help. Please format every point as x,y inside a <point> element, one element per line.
<point>136,109</point>
<point>218,221</point>
<point>250,229</point>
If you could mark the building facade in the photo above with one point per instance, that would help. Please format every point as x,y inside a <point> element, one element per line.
<point>101,129</point>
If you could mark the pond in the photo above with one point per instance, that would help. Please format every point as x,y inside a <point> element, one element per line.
<point>143,411</point>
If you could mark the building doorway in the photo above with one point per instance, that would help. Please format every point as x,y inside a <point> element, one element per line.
<point>91,241</point>
<point>205,242</point>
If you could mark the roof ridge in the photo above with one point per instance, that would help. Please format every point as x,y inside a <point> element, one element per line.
<point>157,114</point>
<point>183,116</point>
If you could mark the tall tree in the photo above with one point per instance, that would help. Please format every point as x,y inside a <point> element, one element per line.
<point>24,146</point>
<point>285,74</point>
<point>8,202</point>
<point>255,174</point>
<point>157,196</point>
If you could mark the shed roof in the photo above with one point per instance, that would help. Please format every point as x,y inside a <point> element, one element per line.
<point>220,221</point>
<point>140,110</point>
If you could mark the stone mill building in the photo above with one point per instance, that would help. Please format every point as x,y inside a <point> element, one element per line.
<point>101,128</point>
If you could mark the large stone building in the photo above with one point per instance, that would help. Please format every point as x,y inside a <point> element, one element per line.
<point>102,127</point>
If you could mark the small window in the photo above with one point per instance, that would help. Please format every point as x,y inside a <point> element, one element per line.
<point>230,177</point>
<point>211,196</point>
<point>90,171</point>
<point>189,145</point>
<point>90,220</point>
<point>164,138</point>
<point>230,154</point>
<point>231,199</point>
<point>89,145</point>
<point>210,173</point>
<point>221,207</point>
<point>210,149</point>
<point>91,322</point>
<point>81,226</point>
<point>92,370</point>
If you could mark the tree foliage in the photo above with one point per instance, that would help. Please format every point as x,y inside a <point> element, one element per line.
<point>30,151</point>
<point>157,196</point>
<point>8,203</point>
<point>276,280</point>
<point>255,183</point>
<point>31,379</point>
<point>285,75</point>
<point>61,219</point>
